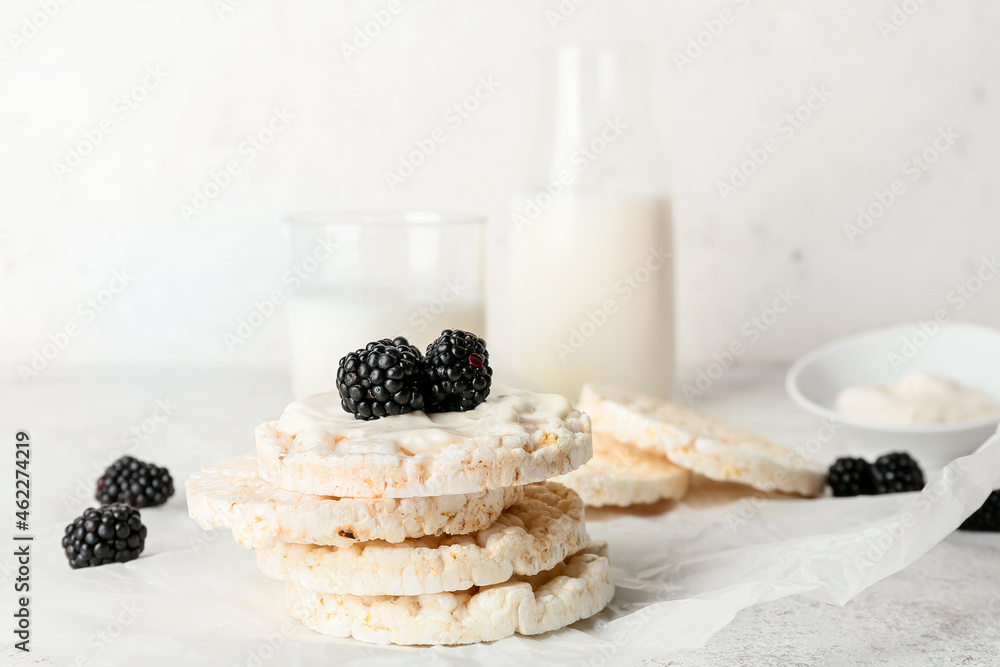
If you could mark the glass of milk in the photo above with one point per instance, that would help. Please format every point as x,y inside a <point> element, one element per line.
<point>379,274</point>
<point>591,273</point>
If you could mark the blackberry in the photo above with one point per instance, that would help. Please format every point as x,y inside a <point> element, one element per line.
<point>457,372</point>
<point>897,473</point>
<point>111,534</point>
<point>851,477</point>
<point>134,483</point>
<point>382,379</point>
<point>986,517</point>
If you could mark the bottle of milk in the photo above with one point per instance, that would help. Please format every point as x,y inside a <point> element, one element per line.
<point>591,291</point>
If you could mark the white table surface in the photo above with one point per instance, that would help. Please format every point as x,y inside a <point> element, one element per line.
<point>942,610</point>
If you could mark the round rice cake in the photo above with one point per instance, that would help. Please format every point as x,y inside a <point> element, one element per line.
<point>577,588</point>
<point>532,535</point>
<point>230,494</point>
<point>512,439</point>
<point>623,475</point>
<point>700,443</point>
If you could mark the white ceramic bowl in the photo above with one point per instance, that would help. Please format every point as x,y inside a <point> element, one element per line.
<point>966,353</point>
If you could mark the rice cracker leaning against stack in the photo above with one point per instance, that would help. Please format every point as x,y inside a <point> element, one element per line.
<point>646,450</point>
<point>408,508</point>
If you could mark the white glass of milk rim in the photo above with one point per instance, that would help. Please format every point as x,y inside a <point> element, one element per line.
<point>380,274</point>
<point>592,275</point>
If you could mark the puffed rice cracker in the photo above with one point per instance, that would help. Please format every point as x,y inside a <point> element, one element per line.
<point>532,535</point>
<point>577,588</point>
<point>230,494</point>
<point>624,475</point>
<point>699,443</point>
<point>516,442</point>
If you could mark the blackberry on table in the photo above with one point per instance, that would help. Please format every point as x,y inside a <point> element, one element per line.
<point>134,483</point>
<point>986,517</point>
<point>457,370</point>
<point>110,534</point>
<point>851,477</point>
<point>898,473</point>
<point>382,379</point>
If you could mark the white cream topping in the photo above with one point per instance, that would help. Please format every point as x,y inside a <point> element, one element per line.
<point>320,421</point>
<point>919,398</point>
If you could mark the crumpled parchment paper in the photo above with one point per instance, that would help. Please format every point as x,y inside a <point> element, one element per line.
<point>683,572</point>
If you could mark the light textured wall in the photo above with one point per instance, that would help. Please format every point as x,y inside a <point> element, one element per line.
<point>224,73</point>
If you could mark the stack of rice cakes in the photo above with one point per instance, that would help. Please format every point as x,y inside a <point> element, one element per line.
<point>452,544</point>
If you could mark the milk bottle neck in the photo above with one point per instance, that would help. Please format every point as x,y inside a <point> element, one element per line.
<point>601,138</point>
